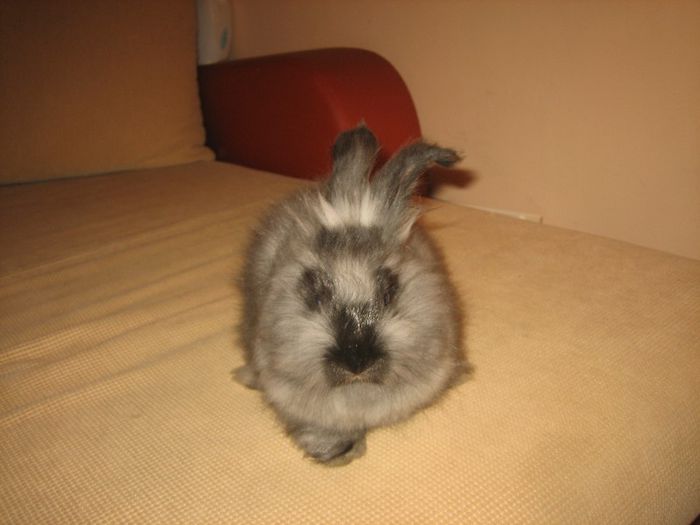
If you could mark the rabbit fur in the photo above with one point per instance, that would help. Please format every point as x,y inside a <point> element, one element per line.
<point>350,321</point>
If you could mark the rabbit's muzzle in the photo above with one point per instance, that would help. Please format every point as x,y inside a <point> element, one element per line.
<point>358,355</point>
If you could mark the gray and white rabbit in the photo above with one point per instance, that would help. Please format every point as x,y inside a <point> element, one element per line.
<point>350,321</point>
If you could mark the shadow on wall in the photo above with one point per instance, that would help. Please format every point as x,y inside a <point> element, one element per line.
<point>455,177</point>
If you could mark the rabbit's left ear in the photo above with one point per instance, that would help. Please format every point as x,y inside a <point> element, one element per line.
<point>395,182</point>
<point>354,153</point>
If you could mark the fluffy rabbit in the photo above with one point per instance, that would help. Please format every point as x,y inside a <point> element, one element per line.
<point>350,321</point>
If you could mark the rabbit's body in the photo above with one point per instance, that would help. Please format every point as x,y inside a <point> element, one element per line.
<point>350,321</point>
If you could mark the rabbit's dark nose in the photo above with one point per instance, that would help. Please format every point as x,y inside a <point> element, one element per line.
<point>358,353</point>
<point>355,356</point>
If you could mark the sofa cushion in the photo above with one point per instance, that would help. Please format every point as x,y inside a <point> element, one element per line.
<point>93,87</point>
<point>117,335</point>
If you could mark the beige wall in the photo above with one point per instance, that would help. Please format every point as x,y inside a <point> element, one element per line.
<point>584,112</point>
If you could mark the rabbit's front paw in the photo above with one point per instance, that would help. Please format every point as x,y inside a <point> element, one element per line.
<point>330,448</point>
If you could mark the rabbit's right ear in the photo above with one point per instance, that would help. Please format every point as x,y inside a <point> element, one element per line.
<point>354,153</point>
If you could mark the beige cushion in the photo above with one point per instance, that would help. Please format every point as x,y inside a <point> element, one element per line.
<point>117,335</point>
<point>93,87</point>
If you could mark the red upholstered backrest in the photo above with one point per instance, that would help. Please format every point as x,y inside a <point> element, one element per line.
<point>282,113</point>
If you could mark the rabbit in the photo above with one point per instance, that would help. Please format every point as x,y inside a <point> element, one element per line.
<point>349,319</point>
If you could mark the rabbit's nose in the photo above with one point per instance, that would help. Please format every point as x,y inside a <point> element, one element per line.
<point>356,363</point>
<point>355,356</point>
<point>358,354</point>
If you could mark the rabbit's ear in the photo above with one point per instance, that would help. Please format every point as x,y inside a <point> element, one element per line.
<point>354,153</point>
<point>395,183</point>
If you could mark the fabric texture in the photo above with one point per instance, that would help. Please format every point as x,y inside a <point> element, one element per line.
<point>97,87</point>
<point>117,337</point>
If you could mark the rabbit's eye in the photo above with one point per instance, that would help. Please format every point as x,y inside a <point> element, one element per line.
<point>315,288</point>
<point>387,285</point>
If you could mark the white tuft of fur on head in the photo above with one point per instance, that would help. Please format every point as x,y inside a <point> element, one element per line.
<point>344,211</point>
<point>327,213</point>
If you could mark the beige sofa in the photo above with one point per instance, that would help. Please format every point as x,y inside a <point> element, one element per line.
<point>118,308</point>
